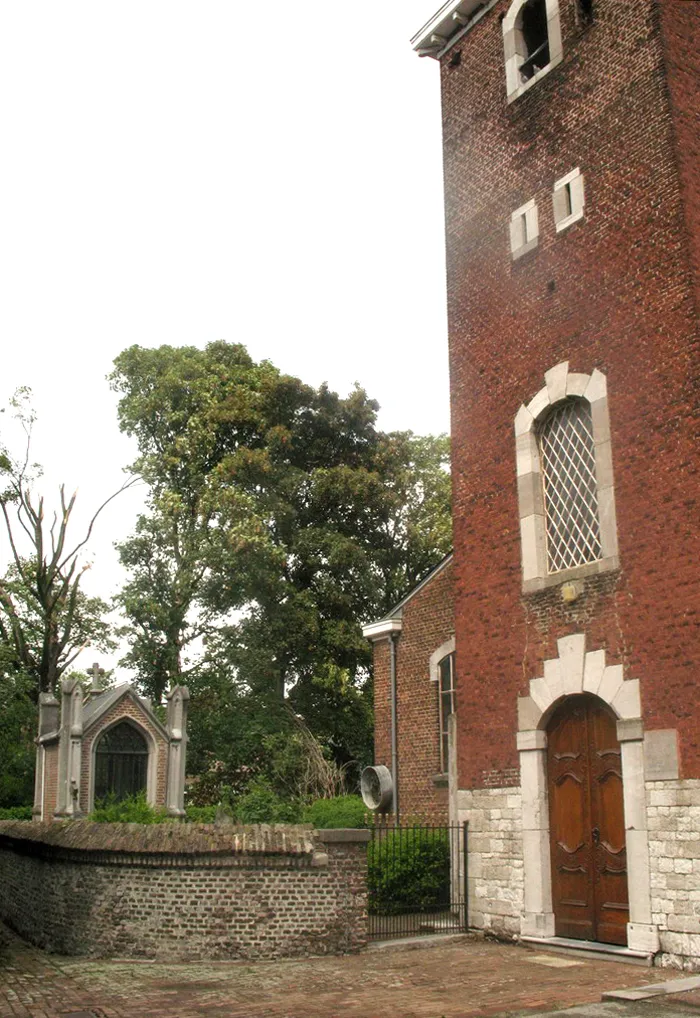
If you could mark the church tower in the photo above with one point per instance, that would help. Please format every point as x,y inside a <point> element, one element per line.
<point>572,194</point>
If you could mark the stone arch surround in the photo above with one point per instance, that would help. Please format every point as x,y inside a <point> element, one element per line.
<point>560,385</point>
<point>576,671</point>
<point>151,770</point>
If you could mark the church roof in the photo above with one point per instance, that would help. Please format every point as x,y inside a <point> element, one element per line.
<point>391,622</point>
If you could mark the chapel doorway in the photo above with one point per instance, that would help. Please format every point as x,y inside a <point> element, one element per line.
<point>587,830</point>
<point>121,763</point>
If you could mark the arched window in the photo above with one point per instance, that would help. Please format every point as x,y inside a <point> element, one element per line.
<point>566,495</point>
<point>567,454</point>
<point>532,43</point>
<point>531,34</point>
<point>121,762</point>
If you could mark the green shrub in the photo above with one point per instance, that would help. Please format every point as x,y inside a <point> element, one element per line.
<point>408,870</point>
<point>342,811</point>
<point>16,813</point>
<point>200,814</point>
<point>261,805</point>
<point>132,810</point>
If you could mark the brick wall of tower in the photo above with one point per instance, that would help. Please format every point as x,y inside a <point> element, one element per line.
<point>427,623</point>
<point>680,22</point>
<point>616,292</point>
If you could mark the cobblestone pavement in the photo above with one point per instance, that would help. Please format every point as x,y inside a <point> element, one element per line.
<point>469,977</point>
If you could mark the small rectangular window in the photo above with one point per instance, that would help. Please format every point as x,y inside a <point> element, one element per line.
<point>524,229</point>
<point>568,200</point>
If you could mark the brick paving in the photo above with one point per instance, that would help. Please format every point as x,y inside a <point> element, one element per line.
<point>469,977</point>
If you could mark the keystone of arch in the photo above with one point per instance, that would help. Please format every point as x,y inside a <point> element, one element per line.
<point>573,672</point>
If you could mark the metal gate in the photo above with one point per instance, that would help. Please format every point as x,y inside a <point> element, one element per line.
<point>416,880</point>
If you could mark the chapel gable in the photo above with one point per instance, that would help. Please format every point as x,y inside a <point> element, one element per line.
<point>108,744</point>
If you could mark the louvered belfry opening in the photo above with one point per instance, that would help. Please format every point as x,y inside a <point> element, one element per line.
<point>121,763</point>
<point>567,452</point>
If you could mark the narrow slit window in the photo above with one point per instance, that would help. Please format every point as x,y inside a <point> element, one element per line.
<point>568,200</point>
<point>586,12</point>
<point>524,229</point>
<point>567,452</point>
<point>446,706</point>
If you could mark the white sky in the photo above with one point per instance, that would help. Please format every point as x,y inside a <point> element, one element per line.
<point>178,173</point>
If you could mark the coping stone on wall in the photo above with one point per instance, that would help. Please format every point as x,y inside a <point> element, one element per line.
<point>164,839</point>
<point>343,834</point>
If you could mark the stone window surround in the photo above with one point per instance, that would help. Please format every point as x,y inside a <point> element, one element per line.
<point>573,672</point>
<point>446,648</point>
<point>573,183</point>
<point>514,86</point>
<point>524,229</point>
<point>561,383</point>
<point>151,772</point>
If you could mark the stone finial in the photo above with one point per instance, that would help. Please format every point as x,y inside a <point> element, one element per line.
<point>48,714</point>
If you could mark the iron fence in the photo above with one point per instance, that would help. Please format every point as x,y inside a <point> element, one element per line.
<point>416,880</point>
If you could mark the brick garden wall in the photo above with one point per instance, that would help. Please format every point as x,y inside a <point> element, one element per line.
<point>181,893</point>
<point>616,291</point>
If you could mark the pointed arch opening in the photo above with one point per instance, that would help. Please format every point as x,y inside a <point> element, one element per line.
<point>121,762</point>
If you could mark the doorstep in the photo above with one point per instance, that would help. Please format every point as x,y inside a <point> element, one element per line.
<point>655,989</point>
<point>591,949</point>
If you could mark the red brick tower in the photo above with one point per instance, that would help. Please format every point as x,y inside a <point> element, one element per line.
<point>572,178</point>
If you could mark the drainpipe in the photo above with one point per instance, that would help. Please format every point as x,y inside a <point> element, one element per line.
<point>394,731</point>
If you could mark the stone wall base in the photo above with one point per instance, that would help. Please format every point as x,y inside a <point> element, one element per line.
<point>495,878</point>
<point>673,817</point>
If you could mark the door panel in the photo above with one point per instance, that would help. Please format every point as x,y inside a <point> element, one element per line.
<point>589,869</point>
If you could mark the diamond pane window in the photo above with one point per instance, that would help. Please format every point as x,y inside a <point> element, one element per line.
<point>567,452</point>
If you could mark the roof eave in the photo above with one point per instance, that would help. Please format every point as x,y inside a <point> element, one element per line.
<point>447,26</point>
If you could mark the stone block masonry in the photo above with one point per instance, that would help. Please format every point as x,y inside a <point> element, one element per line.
<point>673,817</point>
<point>495,850</point>
<point>182,893</point>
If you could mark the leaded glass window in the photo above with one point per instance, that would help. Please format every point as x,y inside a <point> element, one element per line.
<point>446,705</point>
<point>121,763</point>
<point>567,452</point>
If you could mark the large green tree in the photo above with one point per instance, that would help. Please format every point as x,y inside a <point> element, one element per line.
<point>278,519</point>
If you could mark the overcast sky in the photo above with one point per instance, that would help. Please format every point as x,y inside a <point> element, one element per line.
<point>179,173</point>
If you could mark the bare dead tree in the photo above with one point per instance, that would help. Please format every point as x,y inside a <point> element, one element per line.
<point>42,612</point>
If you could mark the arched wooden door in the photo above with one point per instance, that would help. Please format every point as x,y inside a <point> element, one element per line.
<point>587,830</point>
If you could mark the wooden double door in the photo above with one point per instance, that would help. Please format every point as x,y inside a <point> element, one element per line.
<point>587,830</point>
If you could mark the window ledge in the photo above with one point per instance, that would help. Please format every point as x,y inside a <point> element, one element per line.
<point>525,249</point>
<point>537,77</point>
<point>569,221</point>
<point>441,780</point>
<point>603,565</point>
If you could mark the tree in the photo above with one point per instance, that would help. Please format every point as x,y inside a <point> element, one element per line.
<point>279,518</point>
<point>45,618</point>
<point>17,731</point>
